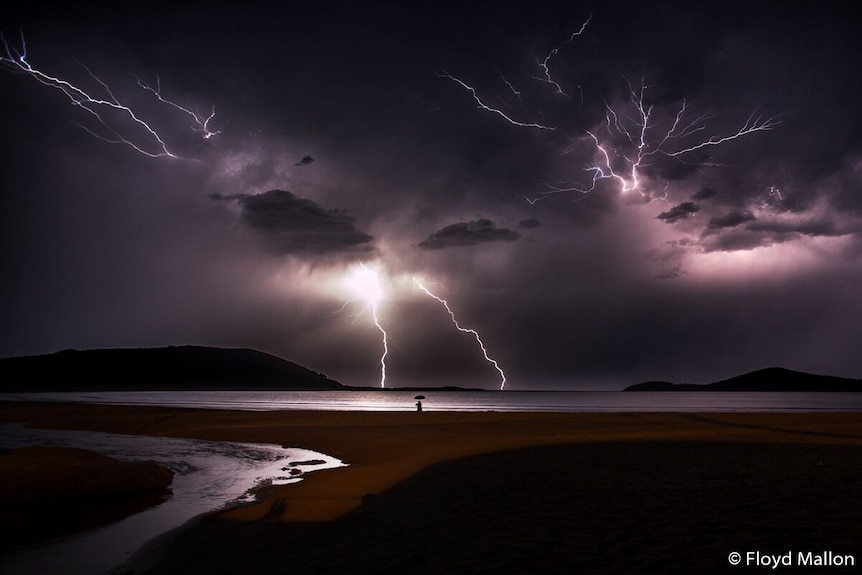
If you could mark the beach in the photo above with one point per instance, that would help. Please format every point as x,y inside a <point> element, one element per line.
<point>438,492</point>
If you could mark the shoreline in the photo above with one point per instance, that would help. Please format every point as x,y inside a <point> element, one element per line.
<point>388,452</point>
<point>384,448</point>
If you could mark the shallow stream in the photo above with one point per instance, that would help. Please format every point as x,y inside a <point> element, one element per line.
<point>208,475</point>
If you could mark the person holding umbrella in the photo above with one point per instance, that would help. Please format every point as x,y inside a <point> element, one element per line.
<point>419,402</point>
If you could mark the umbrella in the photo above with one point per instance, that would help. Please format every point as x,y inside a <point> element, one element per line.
<point>419,397</point>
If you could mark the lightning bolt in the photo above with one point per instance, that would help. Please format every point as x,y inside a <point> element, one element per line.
<point>631,138</point>
<point>201,123</point>
<point>475,334</point>
<point>366,283</point>
<point>148,143</point>
<point>483,106</point>
<point>544,63</point>
<point>631,142</point>
<point>511,87</point>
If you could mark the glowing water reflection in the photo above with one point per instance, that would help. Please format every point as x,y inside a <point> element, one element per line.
<point>208,475</point>
<point>509,401</point>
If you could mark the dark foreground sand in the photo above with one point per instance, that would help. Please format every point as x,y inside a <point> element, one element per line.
<point>516,493</point>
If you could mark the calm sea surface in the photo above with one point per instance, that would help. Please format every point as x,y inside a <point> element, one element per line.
<point>390,400</point>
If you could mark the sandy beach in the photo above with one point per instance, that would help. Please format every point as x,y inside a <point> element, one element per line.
<point>438,492</point>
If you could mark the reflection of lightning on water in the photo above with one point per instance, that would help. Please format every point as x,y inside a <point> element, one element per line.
<point>148,142</point>
<point>631,137</point>
<point>366,282</point>
<point>465,330</point>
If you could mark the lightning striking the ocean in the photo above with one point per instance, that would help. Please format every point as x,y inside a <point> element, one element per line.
<point>475,334</point>
<point>146,141</point>
<point>366,283</point>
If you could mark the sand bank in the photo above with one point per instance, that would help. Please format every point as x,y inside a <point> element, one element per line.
<point>515,492</point>
<point>47,492</point>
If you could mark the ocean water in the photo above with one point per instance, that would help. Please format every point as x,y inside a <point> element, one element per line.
<point>208,475</point>
<point>536,401</point>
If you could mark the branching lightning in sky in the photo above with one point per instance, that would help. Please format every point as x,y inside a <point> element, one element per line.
<point>632,141</point>
<point>201,123</point>
<point>511,87</point>
<point>475,334</point>
<point>148,142</point>
<point>632,137</point>
<point>366,283</point>
<point>544,63</point>
<point>483,106</point>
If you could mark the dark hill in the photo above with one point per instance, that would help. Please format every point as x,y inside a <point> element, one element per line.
<point>162,368</point>
<point>769,379</point>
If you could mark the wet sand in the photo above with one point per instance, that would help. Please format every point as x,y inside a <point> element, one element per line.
<point>516,492</point>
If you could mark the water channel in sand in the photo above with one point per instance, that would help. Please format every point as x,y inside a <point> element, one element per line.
<point>208,475</point>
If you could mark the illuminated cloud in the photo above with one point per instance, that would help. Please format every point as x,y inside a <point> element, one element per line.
<point>468,234</point>
<point>608,293</point>
<point>299,226</point>
<point>735,240</point>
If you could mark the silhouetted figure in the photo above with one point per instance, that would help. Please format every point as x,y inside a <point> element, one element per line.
<point>418,406</point>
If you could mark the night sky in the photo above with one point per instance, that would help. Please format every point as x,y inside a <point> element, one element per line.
<point>344,138</point>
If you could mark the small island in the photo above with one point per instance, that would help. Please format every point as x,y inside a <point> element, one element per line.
<point>772,379</point>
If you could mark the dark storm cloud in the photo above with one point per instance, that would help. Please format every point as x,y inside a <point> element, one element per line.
<point>352,84</point>
<point>226,197</point>
<point>809,227</point>
<point>705,194</point>
<point>742,230</point>
<point>678,212</point>
<point>468,234</point>
<point>299,226</point>
<point>761,233</point>
<point>730,220</point>
<point>671,169</point>
<point>670,273</point>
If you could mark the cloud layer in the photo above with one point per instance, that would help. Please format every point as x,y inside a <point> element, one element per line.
<point>340,145</point>
<point>299,226</point>
<point>468,234</point>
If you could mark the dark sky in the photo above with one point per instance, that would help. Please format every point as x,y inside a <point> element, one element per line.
<point>346,139</point>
